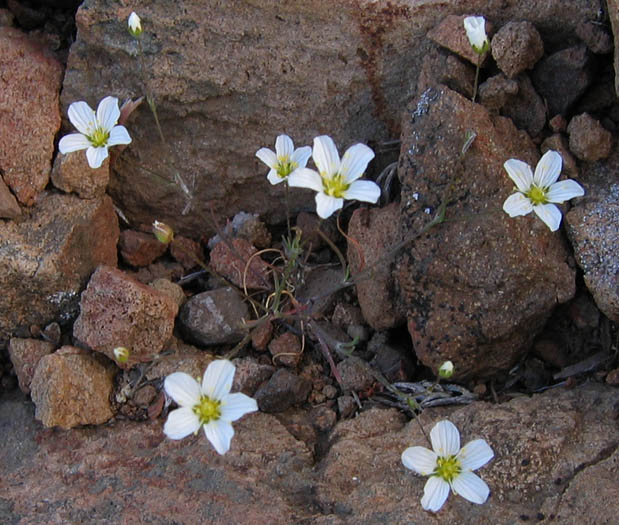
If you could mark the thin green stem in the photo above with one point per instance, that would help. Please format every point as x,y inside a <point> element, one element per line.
<point>476,77</point>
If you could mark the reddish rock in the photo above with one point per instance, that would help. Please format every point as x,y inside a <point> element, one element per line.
<point>29,105</point>
<point>261,335</point>
<point>442,67</point>
<point>174,290</point>
<point>71,387</point>
<point>233,259</point>
<point>72,174</point>
<point>286,350</point>
<point>588,139</point>
<point>496,91</point>
<point>249,375</point>
<point>467,282</point>
<point>183,358</point>
<point>47,258</point>
<point>516,47</point>
<point>116,310</point>
<point>186,251</point>
<point>375,232</point>
<point>526,108</point>
<point>450,33</point>
<point>9,209</point>
<point>282,391</point>
<point>25,354</point>
<point>139,248</point>
<point>558,124</point>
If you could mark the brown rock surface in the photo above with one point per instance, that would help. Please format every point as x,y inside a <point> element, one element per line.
<point>526,109</point>
<point>450,33</point>
<point>29,113</point>
<point>25,354</point>
<point>47,258</point>
<point>72,174</point>
<point>235,260</point>
<point>9,209</point>
<point>496,91</point>
<point>588,139</point>
<point>71,387</point>
<point>558,143</point>
<point>116,310</point>
<point>516,47</point>
<point>286,350</point>
<point>442,67</point>
<point>472,284</point>
<point>140,248</point>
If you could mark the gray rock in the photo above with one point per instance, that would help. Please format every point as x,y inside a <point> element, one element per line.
<point>215,317</point>
<point>526,108</point>
<point>282,391</point>
<point>355,374</point>
<point>516,47</point>
<point>496,91</point>
<point>595,36</point>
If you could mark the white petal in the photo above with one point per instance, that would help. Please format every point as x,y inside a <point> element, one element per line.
<point>219,433</point>
<point>326,205</point>
<point>183,388</point>
<point>434,494</point>
<point>475,454</point>
<point>180,423</point>
<point>355,161</point>
<point>363,190</point>
<point>564,190</point>
<point>471,487</point>
<point>73,142</point>
<point>96,156</point>
<point>118,135</point>
<point>82,117</point>
<point>301,156</point>
<point>550,214</point>
<point>108,113</point>
<point>217,380</point>
<point>548,169</point>
<point>325,156</point>
<point>305,178</point>
<point>235,406</point>
<point>475,27</point>
<point>268,157</point>
<point>445,438</point>
<point>284,147</point>
<point>420,460</point>
<point>274,178</point>
<point>517,204</point>
<point>520,172</point>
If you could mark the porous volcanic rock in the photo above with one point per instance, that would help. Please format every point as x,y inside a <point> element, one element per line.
<point>472,285</point>
<point>517,46</point>
<point>47,258</point>
<point>25,355</point>
<point>72,174</point>
<point>588,138</point>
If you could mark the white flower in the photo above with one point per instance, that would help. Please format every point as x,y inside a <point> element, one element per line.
<point>446,370</point>
<point>336,180</point>
<point>475,27</point>
<point>285,160</point>
<point>538,192</point>
<point>97,132</point>
<point>210,405</point>
<point>448,465</point>
<point>135,24</point>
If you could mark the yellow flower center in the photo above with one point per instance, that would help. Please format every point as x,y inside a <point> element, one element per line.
<point>537,195</point>
<point>334,186</point>
<point>285,167</point>
<point>207,410</point>
<point>447,468</point>
<point>99,137</point>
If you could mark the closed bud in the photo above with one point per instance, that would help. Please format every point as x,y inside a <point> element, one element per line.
<point>121,354</point>
<point>135,25</point>
<point>163,232</point>
<point>446,370</point>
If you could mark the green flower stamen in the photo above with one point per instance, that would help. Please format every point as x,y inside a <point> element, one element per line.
<point>285,167</point>
<point>334,186</point>
<point>99,137</point>
<point>537,195</point>
<point>207,410</point>
<point>447,468</point>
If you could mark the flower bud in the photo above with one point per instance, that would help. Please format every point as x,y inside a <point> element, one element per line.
<point>475,27</point>
<point>135,25</point>
<point>163,232</point>
<point>446,370</point>
<point>121,354</point>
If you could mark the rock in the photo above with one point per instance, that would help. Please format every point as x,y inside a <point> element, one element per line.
<point>282,391</point>
<point>6,18</point>
<point>558,124</point>
<point>351,79</point>
<point>588,139</point>
<point>561,78</point>
<point>174,290</point>
<point>613,15</point>
<point>184,358</point>
<point>25,354</point>
<point>309,223</point>
<point>595,36</point>
<point>346,406</point>
<point>47,258</point>
<point>320,289</point>
<point>558,143</point>
<point>441,67</point>
<point>396,363</point>
<point>71,387</point>
<point>71,173</point>
<point>345,315</point>
<point>496,91</point>
<point>592,230</point>
<point>526,108</point>
<point>29,105</point>
<point>116,310</point>
<point>375,233</point>
<point>583,313</point>
<point>465,282</point>
<point>323,418</point>
<point>235,260</point>
<point>250,374</point>
<point>186,251</point>
<point>355,374</point>
<point>261,335</point>
<point>253,230</point>
<point>612,378</point>
<point>215,317</point>
<point>139,248</point>
<point>450,33</point>
<point>516,47</point>
<point>9,209</point>
<point>286,350</point>
<point>552,353</point>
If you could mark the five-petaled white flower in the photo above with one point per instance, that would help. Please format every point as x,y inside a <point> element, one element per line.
<point>336,180</point>
<point>475,27</point>
<point>285,160</point>
<point>538,192</point>
<point>210,405</point>
<point>135,25</point>
<point>97,131</point>
<point>448,465</point>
